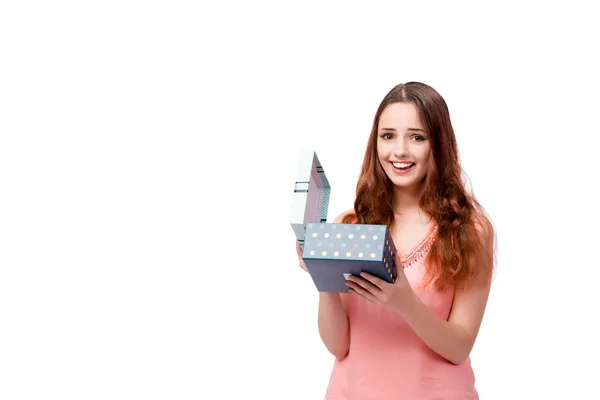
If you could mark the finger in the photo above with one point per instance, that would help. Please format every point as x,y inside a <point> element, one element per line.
<point>299,253</point>
<point>352,291</point>
<point>364,288</point>
<point>361,292</point>
<point>375,281</point>
<point>370,286</point>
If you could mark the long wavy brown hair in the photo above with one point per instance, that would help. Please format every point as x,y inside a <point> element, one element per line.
<point>461,253</point>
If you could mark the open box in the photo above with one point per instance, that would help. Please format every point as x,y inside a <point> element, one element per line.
<point>332,251</point>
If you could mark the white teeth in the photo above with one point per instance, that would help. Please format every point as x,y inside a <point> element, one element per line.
<point>402,165</point>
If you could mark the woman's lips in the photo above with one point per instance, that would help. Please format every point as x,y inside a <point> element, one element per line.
<point>403,170</point>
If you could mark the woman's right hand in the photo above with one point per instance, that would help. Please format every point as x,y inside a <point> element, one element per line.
<point>299,252</point>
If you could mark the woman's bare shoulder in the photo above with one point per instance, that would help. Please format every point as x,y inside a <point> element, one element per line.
<point>339,218</point>
<point>484,226</point>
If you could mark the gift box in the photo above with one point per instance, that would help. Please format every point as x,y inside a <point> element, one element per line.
<point>332,251</point>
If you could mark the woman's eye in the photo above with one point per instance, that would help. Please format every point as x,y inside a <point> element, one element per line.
<point>418,138</point>
<point>386,136</point>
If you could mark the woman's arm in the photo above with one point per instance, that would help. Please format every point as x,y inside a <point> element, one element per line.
<point>452,339</point>
<point>334,327</point>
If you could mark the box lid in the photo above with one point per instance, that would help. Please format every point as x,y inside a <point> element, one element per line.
<point>310,200</point>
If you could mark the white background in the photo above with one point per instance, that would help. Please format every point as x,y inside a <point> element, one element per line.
<point>147,157</point>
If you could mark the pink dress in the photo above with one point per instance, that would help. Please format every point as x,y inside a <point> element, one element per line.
<point>387,360</point>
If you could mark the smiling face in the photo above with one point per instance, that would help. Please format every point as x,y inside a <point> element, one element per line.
<point>403,145</point>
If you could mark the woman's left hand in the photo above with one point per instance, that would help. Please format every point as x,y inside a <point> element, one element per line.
<point>390,295</point>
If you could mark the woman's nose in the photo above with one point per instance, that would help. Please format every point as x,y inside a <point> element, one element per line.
<point>401,148</point>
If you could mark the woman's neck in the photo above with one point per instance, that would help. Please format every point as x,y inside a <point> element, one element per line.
<point>407,208</point>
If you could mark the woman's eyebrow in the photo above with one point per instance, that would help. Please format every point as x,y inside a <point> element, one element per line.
<point>408,129</point>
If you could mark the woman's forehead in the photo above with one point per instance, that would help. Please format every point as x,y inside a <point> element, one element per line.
<point>400,116</point>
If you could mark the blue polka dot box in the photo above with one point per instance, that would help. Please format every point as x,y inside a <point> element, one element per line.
<point>332,252</point>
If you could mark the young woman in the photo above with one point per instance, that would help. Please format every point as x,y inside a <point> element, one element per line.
<point>412,339</point>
